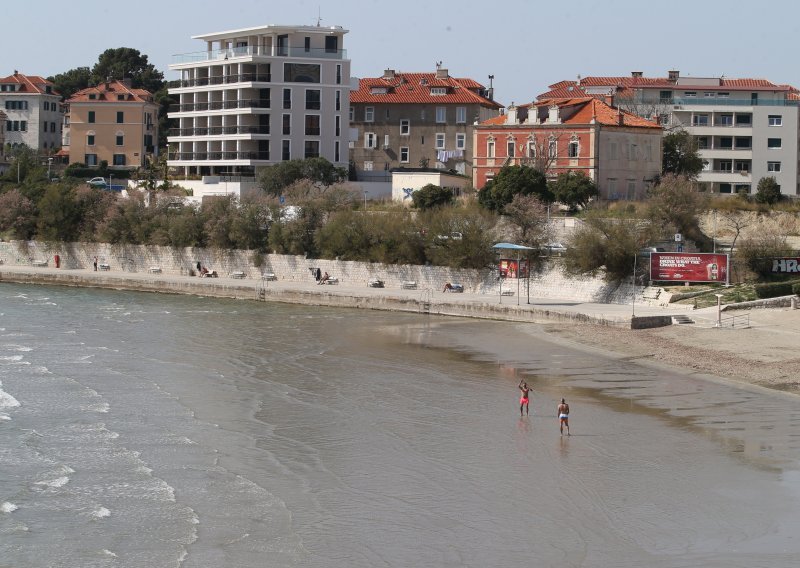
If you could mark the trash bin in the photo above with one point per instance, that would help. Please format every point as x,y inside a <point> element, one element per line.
<point>57,259</point>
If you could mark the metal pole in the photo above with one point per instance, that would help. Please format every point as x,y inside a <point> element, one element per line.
<point>719,309</point>
<point>365,201</point>
<point>633,304</point>
<point>49,163</point>
<point>518,277</point>
<point>714,236</point>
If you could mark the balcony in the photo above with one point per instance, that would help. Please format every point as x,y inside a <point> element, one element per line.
<point>711,101</point>
<point>220,105</point>
<point>227,80</point>
<point>258,51</point>
<point>724,176</point>
<point>217,130</point>
<point>216,156</point>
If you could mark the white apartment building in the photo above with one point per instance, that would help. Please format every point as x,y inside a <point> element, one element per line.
<point>33,112</point>
<point>258,96</point>
<point>746,129</point>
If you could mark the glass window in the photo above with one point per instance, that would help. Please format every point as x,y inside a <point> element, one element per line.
<point>725,166</point>
<point>461,115</point>
<point>743,142</point>
<point>301,73</point>
<point>552,149</point>
<point>774,143</point>
<point>286,150</point>
<point>725,120</point>
<point>440,141</point>
<point>461,141</point>
<point>331,44</point>
<point>726,142</point>
<point>702,142</point>
<point>338,101</point>
<point>91,116</point>
<point>744,119</point>
<point>572,149</point>
<point>773,166</point>
<point>441,114</point>
<point>690,94</point>
<point>775,120</point>
<point>312,125</point>
<point>119,159</point>
<point>404,154</point>
<point>311,149</point>
<point>369,114</point>
<point>287,98</point>
<point>90,140</point>
<point>120,117</point>
<point>490,149</point>
<point>368,166</point>
<point>313,99</point>
<point>352,114</point>
<point>370,140</point>
<point>510,148</point>
<point>338,74</point>
<point>725,188</point>
<point>337,129</point>
<point>665,97</point>
<point>307,44</point>
<point>700,120</point>
<point>405,127</point>
<point>23,125</point>
<point>120,140</point>
<point>336,156</point>
<point>90,159</point>
<point>287,124</point>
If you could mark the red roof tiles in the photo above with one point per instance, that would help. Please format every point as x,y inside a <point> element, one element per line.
<point>587,109</point>
<point>110,92</point>
<point>415,88</point>
<point>31,84</point>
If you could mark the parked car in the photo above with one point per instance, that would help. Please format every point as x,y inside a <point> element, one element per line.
<point>555,248</point>
<point>98,182</point>
<point>645,251</point>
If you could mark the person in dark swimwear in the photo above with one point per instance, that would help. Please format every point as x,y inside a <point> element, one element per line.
<point>563,416</point>
<point>524,400</point>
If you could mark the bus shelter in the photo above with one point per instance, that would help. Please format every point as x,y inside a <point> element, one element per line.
<point>511,264</point>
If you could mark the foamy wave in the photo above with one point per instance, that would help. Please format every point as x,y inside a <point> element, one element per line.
<point>14,347</point>
<point>6,400</point>
<point>4,417</point>
<point>54,483</point>
<point>7,507</point>
<point>10,357</point>
<point>99,407</point>
<point>101,513</point>
<point>108,553</point>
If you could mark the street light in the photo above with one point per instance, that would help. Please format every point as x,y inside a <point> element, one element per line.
<point>719,310</point>
<point>49,163</point>
<point>714,236</point>
<point>365,201</point>
<point>633,303</point>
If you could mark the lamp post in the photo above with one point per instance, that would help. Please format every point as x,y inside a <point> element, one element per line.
<point>633,303</point>
<point>365,201</point>
<point>49,163</point>
<point>719,310</point>
<point>714,236</point>
<point>110,177</point>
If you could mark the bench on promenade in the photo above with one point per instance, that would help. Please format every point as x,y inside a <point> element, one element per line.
<point>330,280</point>
<point>154,270</point>
<point>104,266</point>
<point>408,285</point>
<point>237,274</point>
<point>507,293</point>
<point>375,283</point>
<point>269,276</point>
<point>39,263</point>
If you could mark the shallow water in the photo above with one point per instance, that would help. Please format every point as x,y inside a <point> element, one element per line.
<point>147,430</point>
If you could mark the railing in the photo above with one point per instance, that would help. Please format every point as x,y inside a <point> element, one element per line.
<point>220,105</point>
<point>255,51</point>
<point>225,79</point>
<point>740,321</point>
<point>691,101</point>
<point>218,155</point>
<point>218,130</point>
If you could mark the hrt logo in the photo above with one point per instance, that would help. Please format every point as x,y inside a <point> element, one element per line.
<point>785,265</point>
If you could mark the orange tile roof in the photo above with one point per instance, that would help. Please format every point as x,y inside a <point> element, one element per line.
<point>29,84</point>
<point>591,108</point>
<point>415,88</point>
<point>108,92</point>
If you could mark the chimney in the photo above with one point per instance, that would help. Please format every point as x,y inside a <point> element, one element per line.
<point>16,72</point>
<point>388,74</point>
<point>441,73</point>
<point>553,115</point>
<point>636,74</point>
<point>673,75</point>
<point>578,82</point>
<point>511,115</point>
<point>620,118</point>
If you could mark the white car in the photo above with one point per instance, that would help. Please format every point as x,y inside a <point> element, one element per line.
<point>555,248</point>
<point>98,182</point>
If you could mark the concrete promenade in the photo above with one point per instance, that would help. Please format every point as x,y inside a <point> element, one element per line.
<point>352,295</point>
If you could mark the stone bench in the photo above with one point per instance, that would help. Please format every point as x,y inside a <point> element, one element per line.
<point>408,285</point>
<point>39,263</point>
<point>507,293</point>
<point>237,274</point>
<point>104,266</point>
<point>330,280</point>
<point>375,283</point>
<point>269,276</point>
<point>154,270</point>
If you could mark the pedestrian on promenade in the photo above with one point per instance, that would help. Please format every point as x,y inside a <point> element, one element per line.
<point>95,264</point>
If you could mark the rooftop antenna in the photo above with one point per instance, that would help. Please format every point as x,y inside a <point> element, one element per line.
<point>319,16</point>
<point>491,78</point>
<point>438,64</point>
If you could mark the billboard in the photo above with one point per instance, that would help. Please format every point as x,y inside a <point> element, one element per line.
<point>688,267</point>
<point>785,265</point>
<point>511,268</point>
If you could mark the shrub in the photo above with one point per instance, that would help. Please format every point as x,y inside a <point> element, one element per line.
<point>776,289</point>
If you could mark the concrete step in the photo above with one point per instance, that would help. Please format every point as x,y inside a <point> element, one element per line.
<point>682,319</point>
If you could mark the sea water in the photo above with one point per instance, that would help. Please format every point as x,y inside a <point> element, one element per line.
<point>149,430</point>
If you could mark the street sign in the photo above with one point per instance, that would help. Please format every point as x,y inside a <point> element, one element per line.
<point>678,237</point>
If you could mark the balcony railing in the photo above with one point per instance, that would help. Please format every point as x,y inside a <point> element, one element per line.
<point>218,130</point>
<point>218,156</point>
<point>258,51</point>
<point>227,79</point>
<point>220,105</point>
<point>691,101</point>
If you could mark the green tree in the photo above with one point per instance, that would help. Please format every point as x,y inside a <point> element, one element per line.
<point>472,249</point>
<point>432,195</point>
<point>274,179</point>
<point>680,155</point>
<point>59,215</point>
<point>573,189</point>
<point>528,214</point>
<point>513,180</point>
<point>674,204</point>
<point>127,63</point>
<point>768,191</point>
<point>70,82</point>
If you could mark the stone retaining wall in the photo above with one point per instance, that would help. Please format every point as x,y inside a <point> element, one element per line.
<point>550,283</point>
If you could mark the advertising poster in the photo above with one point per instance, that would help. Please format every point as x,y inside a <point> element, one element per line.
<point>512,268</point>
<point>688,267</point>
<point>786,265</point>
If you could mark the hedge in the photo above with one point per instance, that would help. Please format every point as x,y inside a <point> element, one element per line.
<point>775,289</point>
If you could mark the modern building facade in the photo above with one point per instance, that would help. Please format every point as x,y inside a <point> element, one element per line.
<point>620,151</point>
<point>112,122</point>
<point>259,96</point>
<point>416,120</point>
<point>746,129</point>
<point>33,113</point>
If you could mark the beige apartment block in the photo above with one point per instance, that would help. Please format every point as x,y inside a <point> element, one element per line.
<point>113,122</point>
